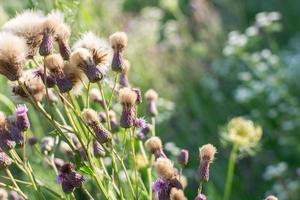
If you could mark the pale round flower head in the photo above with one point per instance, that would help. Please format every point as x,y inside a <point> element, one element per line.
<point>13,52</point>
<point>98,47</point>
<point>164,168</point>
<point>118,40</point>
<point>207,152</point>
<point>95,95</point>
<point>54,24</point>
<point>27,24</point>
<point>54,62</point>
<point>177,194</point>
<point>90,116</point>
<point>151,95</point>
<point>242,132</point>
<point>153,144</point>
<point>271,197</point>
<point>127,96</point>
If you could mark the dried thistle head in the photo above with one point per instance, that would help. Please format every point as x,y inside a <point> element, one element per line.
<point>76,76</point>
<point>127,96</point>
<point>176,194</point>
<point>118,41</point>
<point>28,25</point>
<point>33,84</point>
<point>54,24</point>
<point>164,168</point>
<point>153,144</point>
<point>151,95</point>
<point>13,52</point>
<point>54,62</point>
<point>207,153</point>
<point>98,47</point>
<point>90,116</point>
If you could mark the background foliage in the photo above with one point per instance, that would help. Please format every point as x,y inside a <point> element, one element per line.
<point>178,47</point>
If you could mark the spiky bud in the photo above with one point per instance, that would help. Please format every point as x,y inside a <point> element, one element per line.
<point>46,45</point>
<point>22,119</point>
<point>183,157</point>
<point>151,97</point>
<point>5,161</point>
<point>128,100</point>
<point>207,154</point>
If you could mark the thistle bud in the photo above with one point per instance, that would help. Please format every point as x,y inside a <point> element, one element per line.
<point>98,149</point>
<point>47,144</point>
<point>207,154</point>
<point>15,132</point>
<point>6,141</point>
<point>183,157</point>
<point>5,161</point>
<point>22,119</point>
<point>124,82</point>
<point>46,45</point>
<point>63,82</point>
<point>64,49</point>
<point>151,97</point>
<point>92,119</point>
<point>32,140</point>
<point>271,197</point>
<point>118,42</point>
<point>50,79</point>
<point>164,168</point>
<point>154,145</point>
<point>177,194</point>
<point>128,100</point>
<point>200,197</point>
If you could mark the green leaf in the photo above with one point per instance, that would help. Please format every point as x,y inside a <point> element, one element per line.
<point>86,170</point>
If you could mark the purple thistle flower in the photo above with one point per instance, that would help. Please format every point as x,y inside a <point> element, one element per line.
<point>162,188</point>
<point>127,117</point>
<point>69,178</point>
<point>140,123</point>
<point>5,160</point>
<point>22,118</point>
<point>46,45</point>
<point>183,156</point>
<point>200,197</point>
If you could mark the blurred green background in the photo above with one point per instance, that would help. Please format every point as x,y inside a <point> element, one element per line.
<point>205,74</point>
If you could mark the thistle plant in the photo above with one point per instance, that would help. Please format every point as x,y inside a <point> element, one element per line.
<point>73,92</point>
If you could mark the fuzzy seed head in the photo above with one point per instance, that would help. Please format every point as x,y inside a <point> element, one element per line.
<point>127,96</point>
<point>153,144</point>
<point>54,24</point>
<point>118,40</point>
<point>28,25</point>
<point>151,95</point>
<point>54,62</point>
<point>98,47</point>
<point>13,52</point>
<point>177,194</point>
<point>271,197</point>
<point>95,95</point>
<point>207,152</point>
<point>164,168</point>
<point>90,116</point>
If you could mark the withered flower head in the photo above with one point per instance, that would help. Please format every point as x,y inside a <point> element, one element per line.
<point>153,144</point>
<point>207,155</point>
<point>90,116</point>
<point>33,84</point>
<point>118,42</point>
<point>28,25</point>
<point>54,62</point>
<point>177,194</point>
<point>82,59</point>
<point>13,52</point>
<point>128,100</point>
<point>151,97</point>
<point>164,168</point>
<point>127,96</point>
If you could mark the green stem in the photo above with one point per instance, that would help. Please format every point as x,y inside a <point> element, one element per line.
<point>113,90</point>
<point>15,183</point>
<point>230,172</point>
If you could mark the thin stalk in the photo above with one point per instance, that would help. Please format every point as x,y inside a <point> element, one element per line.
<point>113,90</point>
<point>105,105</point>
<point>87,193</point>
<point>15,183</point>
<point>134,162</point>
<point>230,172</point>
<point>153,126</point>
<point>87,103</point>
